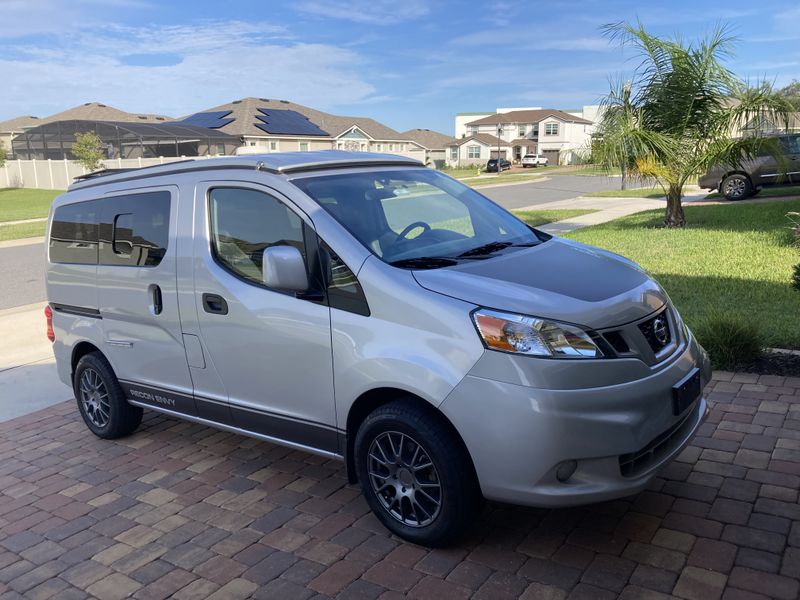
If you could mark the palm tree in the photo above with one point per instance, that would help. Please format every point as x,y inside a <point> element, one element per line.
<point>675,117</point>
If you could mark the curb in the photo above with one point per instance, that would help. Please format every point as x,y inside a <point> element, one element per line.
<point>22,242</point>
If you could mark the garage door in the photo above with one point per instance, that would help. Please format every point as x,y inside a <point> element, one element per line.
<point>552,156</point>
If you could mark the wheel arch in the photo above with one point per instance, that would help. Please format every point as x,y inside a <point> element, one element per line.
<point>373,399</point>
<point>80,350</point>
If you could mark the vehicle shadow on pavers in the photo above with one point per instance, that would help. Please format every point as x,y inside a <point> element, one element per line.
<point>182,510</point>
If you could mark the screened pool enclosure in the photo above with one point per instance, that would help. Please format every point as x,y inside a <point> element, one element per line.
<point>123,140</point>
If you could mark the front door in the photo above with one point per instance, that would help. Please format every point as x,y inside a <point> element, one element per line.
<point>138,298</point>
<point>272,349</point>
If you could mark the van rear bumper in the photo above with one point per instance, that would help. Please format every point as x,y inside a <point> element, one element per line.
<point>618,436</point>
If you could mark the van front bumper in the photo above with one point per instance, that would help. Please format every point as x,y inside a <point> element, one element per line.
<point>617,434</point>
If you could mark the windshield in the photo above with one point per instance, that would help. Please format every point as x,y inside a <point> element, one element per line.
<point>417,217</point>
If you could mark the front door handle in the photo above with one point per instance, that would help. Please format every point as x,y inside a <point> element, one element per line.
<point>214,304</point>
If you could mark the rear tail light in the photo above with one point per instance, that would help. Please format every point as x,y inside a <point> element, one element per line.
<point>48,314</point>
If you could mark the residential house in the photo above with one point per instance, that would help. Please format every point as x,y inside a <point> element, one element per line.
<point>13,127</point>
<point>268,125</point>
<point>433,143</point>
<point>475,150</point>
<point>561,136</point>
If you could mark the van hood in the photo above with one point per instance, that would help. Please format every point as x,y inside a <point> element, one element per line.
<point>558,279</point>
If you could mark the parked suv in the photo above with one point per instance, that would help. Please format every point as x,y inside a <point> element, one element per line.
<point>534,160</point>
<point>494,165</point>
<point>368,309</point>
<point>737,183</point>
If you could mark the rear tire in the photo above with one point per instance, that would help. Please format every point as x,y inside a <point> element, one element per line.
<point>736,187</point>
<point>101,401</point>
<point>415,473</point>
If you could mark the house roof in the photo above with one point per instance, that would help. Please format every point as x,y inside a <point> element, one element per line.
<point>17,124</point>
<point>523,142</point>
<point>244,112</point>
<point>529,116</point>
<point>431,140</point>
<point>483,138</point>
<point>95,111</point>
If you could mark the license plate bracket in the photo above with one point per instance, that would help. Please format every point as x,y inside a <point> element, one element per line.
<point>686,391</point>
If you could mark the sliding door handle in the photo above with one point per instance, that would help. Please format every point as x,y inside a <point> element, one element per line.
<point>214,304</point>
<point>156,299</point>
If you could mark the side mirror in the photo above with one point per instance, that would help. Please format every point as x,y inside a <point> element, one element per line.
<point>284,269</point>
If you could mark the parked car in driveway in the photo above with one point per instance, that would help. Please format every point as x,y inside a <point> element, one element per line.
<point>534,160</point>
<point>494,165</point>
<point>371,310</point>
<point>767,169</point>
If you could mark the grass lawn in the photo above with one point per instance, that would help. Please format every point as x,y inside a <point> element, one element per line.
<point>788,190</point>
<point>23,230</point>
<point>734,258</point>
<point>534,218</point>
<point>504,178</point>
<point>648,192</point>
<point>17,204</point>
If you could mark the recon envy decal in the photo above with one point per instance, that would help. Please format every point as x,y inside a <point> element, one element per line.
<point>158,397</point>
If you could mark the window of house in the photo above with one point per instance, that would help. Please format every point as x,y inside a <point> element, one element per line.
<point>379,147</point>
<point>521,131</point>
<point>303,146</point>
<point>454,153</point>
<point>391,147</point>
<point>551,128</point>
<point>472,129</point>
<point>220,148</point>
<point>536,130</point>
<point>273,145</point>
<point>245,222</point>
<point>252,143</point>
<point>473,151</point>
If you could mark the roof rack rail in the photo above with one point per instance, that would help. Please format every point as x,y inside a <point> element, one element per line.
<point>102,173</point>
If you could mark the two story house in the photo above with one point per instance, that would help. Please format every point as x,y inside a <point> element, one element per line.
<point>559,135</point>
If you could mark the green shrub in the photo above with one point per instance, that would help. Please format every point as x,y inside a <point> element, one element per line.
<point>796,277</point>
<point>729,340</point>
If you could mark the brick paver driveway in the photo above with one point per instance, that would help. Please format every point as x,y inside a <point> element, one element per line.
<point>186,511</point>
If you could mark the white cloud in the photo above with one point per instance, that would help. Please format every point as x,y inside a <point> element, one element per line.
<point>370,12</point>
<point>528,39</point>
<point>216,62</point>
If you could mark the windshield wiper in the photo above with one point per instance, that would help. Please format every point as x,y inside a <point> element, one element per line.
<point>485,249</point>
<point>424,262</point>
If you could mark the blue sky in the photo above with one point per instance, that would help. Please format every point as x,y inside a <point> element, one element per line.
<point>407,63</point>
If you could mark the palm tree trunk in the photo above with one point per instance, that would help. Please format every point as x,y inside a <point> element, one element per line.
<point>674,216</point>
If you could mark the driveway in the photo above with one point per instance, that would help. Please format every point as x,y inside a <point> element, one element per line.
<point>21,273</point>
<point>180,510</point>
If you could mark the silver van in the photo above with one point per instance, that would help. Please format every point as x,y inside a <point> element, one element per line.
<point>366,308</point>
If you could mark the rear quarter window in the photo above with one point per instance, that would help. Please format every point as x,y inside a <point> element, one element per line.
<point>74,233</point>
<point>134,229</point>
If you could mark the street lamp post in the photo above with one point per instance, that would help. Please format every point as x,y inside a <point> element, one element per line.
<point>499,135</point>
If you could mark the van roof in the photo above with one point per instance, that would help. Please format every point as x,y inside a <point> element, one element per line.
<point>277,162</point>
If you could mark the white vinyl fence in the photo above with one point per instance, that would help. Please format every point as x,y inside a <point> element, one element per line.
<point>58,174</point>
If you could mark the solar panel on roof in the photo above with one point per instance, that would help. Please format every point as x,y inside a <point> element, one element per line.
<point>209,120</point>
<point>287,122</point>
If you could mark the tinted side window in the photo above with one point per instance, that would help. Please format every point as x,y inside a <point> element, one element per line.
<point>245,222</point>
<point>73,234</point>
<point>344,290</point>
<point>135,229</point>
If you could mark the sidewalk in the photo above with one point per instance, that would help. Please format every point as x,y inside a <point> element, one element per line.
<point>28,378</point>
<point>607,209</point>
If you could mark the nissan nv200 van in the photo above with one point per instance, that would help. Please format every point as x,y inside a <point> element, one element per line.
<point>366,308</point>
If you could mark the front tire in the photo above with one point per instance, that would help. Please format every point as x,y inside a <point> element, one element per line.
<point>101,401</point>
<point>736,187</point>
<point>415,473</point>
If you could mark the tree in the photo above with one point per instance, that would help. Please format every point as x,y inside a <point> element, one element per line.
<point>675,117</point>
<point>88,150</point>
<point>3,155</point>
<point>792,93</point>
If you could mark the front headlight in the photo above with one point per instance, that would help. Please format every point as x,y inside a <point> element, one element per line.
<point>519,334</point>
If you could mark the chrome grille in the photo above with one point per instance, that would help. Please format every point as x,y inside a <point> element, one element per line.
<point>657,332</point>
